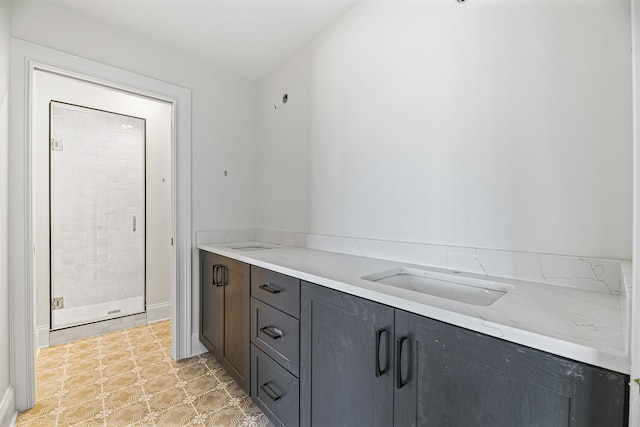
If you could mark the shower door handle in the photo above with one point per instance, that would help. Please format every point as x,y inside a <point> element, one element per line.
<point>134,222</point>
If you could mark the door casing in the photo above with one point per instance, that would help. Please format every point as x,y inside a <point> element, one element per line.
<point>25,59</point>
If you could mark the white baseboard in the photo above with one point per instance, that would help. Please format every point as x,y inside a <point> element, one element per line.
<point>158,312</point>
<point>196,345</point>
<point>8,411</point>
<point>42,336</point>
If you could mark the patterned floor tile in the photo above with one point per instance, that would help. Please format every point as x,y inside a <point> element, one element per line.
<point>84,413</point>
<point>232,387</point>
<point>125,397</point>
<point>87,423</point>
<point>166,399</point>
<point>54,352</point>
<point>127,378</point>
<point>120,368</point>
<point>193,371</point>
<point>181,415</point>
<point>81,380</point>
<point>81,365</point>
<point>211,402</point>
<point>81,346</point>
<point>50,375</point>
<point>160,383</point>
<point>227,417</point>
<point>77,395</point>
<point>201,385</point>
<point>47,390</point>
<point>151,357</point>
<point>46,421</point>
<point>45,364</point>
<point>121,381</point>
<point>115,356</point>
<point>126,415</point>
<point>114,344</point>
<point>42,408</point>
<point>155,370</point>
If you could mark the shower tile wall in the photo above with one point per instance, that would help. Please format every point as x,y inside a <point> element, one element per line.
<point>97,186</point>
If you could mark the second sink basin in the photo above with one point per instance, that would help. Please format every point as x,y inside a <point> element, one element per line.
<point>248,247</point>
<point>454,285</point>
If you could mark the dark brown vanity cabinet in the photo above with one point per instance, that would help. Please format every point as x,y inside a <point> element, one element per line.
<point>367,364</point>
<point>224,313</point>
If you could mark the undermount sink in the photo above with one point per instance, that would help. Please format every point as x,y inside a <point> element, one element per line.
<point>450,285</point>
<point>247,247</point>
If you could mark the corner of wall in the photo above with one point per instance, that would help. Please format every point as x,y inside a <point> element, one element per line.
<point>8,411</point>
<point>42,336</point>
<point>196,345</point>
<point>158,312</point>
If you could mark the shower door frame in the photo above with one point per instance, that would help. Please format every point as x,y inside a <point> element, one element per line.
<point>26,58</point>
<point>144,206</point>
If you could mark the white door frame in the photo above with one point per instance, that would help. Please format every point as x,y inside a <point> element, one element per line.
<point>634,393</point>
<point>25,59</point>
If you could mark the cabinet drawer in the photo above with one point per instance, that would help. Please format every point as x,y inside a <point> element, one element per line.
<point>274,390</point>
<point>277,290</point>
<point>277,334</point>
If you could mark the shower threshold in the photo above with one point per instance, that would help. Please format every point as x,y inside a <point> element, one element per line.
<point>74,316</point>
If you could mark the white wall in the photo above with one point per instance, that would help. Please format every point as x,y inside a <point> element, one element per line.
<point>284,147</point>
<point>224,119</point>
<point>47,87</point>
<point>488,124</point>
<point>7,405</point>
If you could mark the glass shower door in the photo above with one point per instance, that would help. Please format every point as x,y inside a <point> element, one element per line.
<point>97,215</point>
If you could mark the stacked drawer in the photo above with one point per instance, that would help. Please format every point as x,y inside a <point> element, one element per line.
<point>275,345</point>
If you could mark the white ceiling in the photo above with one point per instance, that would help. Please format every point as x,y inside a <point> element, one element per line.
<point>246,37</point>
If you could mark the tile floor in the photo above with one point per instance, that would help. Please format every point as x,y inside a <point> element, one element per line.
<point>128,378</point>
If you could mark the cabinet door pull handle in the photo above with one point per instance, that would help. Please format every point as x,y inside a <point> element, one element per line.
<point>223,270</point>
<point>267,287</point>
<point>269,391</point>
<point>219,275</point>
<point>272,332</point>
<point>215,275</point>
<point>380,371</point>
<point>399,344</point>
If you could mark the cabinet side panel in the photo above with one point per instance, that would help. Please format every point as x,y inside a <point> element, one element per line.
<point>236,322</point>
<point>211,306</point>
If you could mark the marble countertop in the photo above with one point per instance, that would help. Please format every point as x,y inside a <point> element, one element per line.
<point>582,325</point>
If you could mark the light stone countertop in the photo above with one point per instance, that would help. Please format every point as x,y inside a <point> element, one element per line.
<point>582,325</point>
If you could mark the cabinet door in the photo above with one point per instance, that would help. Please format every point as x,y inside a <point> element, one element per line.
<point>459,378</point>
<point>346,360</point>
<point>211,305</point>
<point>237,316</point>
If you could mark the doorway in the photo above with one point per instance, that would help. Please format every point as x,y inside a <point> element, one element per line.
<point>26,59</point>
<point>111,173</point>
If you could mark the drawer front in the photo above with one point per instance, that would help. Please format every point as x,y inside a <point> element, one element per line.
<point>277,290</point>
<point>277,334</point>
<point>274,390</point>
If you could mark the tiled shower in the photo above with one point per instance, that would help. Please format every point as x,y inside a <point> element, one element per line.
<point>97,215</point>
